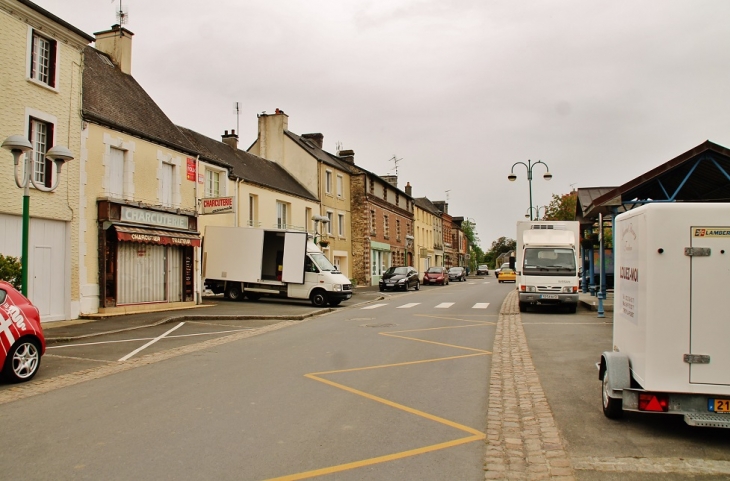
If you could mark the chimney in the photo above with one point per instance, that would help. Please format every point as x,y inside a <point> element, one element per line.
<point>271,135</point>
<point>347,155</point>
<point>409,189</point>
<point>231,139</point>
<point>391,179</point>
<point>316,139</point>
<point>117,43</point>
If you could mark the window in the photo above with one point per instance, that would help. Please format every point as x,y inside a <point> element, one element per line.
<point>167,176</point>
<point>339,186</point>
<point>328,182</point>
<point>341,224</point>
<point>307,218</point>
<point>281,215</point>
<point>329,224</point>
<point>41,137</point>
<point>212,183</point>
<point>372,222</point>
<point>386,227</point>
<point>385,193</point>
<point>253,210</point>
<point>116,173</point>
<point>43,60</point>
<point>397,229</point>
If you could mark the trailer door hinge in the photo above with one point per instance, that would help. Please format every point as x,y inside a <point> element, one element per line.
<point>697,251</point>
<point>697,359</point>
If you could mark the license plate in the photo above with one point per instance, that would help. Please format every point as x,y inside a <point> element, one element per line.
<point>549,296</point>
<point>719,405</point>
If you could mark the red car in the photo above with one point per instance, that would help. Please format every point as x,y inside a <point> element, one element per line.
<point>21,336</point>
<point>436,275</point>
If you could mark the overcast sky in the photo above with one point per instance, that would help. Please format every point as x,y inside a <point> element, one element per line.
<point>460,90</point>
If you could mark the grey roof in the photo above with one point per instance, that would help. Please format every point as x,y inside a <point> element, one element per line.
<point>427,205</point>
<point>115,99</point>
<point>251,168</point>
<point>319,154</point>
<point>586,200</point>
<point>56,19</point>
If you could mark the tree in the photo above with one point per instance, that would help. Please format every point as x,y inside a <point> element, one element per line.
<point>562,207</point>
<point>475,252</point>
<point>500,246</point>
<point>10,270</point>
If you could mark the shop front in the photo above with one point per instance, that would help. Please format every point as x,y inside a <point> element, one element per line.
<point>146,258</point>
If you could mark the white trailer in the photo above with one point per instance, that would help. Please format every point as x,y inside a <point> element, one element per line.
<point>248,262</point>
<point>546,263</point>
<point>671,330</point>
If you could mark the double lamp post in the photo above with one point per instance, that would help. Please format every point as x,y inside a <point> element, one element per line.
<point>529,166</point>
<point>19,145</point>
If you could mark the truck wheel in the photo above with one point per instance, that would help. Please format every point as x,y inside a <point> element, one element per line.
<point>572,308</point>
<point>23,361</point>
<point>318,298</point>
<point>233,291</point>
<point>335,302</point>
<point>523,307</point>
<point>611,406</point>
<point>253,296</point>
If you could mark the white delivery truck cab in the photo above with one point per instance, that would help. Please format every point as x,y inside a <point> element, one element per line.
<point>248,262</point>
<point>671,329</point>
<point>547,263</point>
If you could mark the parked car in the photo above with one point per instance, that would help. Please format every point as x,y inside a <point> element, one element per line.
<point>457,274</point>
<point>496,271</point>
<point>21,337</point>
<point>483,269</point>
<point>436,275</point>
<point>399,278</point>
<point>507,275</point>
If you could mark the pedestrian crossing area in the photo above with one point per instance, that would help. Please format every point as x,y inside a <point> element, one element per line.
<point>443,305</point>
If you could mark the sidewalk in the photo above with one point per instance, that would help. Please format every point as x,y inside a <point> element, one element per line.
<point>213,307</point>
<point>591,302</point>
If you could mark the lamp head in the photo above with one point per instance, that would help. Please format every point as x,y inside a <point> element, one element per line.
<point>17,144</point>
<point>548,175</point>
<point>59,153</point>
<point>512,177</point>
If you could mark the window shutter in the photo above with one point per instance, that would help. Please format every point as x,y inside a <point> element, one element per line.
<point>49,162</point>
<point>52,59</point>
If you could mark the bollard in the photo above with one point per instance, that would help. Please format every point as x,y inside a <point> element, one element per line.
<point>601,313</point>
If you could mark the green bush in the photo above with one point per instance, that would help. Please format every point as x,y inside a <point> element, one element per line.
<point>10,270</point>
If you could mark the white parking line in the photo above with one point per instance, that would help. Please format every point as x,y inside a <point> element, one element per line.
<point>480,305</point>
<point>83,344</point>
<point>150,343</point>
<point>374,306</point>
<point>487,282</point>
<point>408,306</point>
<point>444,305</point>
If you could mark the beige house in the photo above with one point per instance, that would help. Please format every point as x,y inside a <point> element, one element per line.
<point>138,220</point>
<point>428,234</point>
<point>40,74</point>
<point>324,175</point>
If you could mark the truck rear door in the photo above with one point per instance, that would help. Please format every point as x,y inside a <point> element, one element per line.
<point>709,318</point>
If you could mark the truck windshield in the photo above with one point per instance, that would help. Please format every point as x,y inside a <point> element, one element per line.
<point>322,262</point>
<point>548,261</point>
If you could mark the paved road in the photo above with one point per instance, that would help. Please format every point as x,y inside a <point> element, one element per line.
<point>395,389</point>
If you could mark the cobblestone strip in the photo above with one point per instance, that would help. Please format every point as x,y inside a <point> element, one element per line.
<point>690,467</point>
<point>33,388</point>
<point>523,442</point>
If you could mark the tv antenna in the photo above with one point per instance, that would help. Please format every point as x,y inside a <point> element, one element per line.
<point>447,195</point>
<point>338,147</point>
<point>237,111</point>
<point>395,161</point>
<point>122,15</point>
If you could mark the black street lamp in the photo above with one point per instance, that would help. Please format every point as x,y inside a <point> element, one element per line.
<point>529,166</point>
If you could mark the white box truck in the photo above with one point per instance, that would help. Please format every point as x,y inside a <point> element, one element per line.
<point>546,262</point>
<point>249,262</point>
<point>671,330</point>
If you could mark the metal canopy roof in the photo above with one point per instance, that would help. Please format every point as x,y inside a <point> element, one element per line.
<point>701,174</point>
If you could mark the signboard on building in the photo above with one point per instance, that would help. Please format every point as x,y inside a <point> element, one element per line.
<point>191,169</point>
<point>217,205</point>
<point>150,217</point>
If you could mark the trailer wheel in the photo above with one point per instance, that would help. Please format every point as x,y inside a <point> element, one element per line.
<point>318,298</point>
<point>233,291</point>
<point>612,407</point>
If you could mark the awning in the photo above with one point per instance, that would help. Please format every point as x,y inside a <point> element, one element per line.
<point>153,236</point>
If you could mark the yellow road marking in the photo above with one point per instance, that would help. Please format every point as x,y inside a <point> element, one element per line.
<point>475,435</point>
